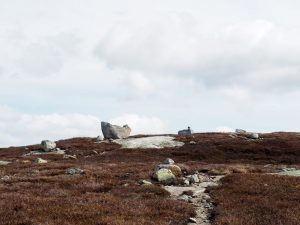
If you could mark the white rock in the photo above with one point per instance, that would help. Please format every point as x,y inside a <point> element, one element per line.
<point>48,146</point>
<point>149,142</point>
<point>40,161</point>
<point>194,179</point>
<point>169,161</point>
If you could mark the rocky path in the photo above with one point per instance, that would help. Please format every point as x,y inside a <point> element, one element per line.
<point>196,196</point>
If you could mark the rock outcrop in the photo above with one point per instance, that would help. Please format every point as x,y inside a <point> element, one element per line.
<point>48,146</point>
<point>185,132</point>
<point>115,132</point>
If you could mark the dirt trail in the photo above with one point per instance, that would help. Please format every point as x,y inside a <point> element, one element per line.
<point>199,199</point>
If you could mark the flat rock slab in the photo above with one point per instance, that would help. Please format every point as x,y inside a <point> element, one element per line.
<point>150,142</point>
<point>4,163</point>
<point>293,173</point>
<point>56,152</point>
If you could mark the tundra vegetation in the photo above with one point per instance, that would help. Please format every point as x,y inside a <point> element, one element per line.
<point>100,183</point>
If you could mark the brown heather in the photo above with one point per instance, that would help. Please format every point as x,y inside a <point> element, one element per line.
<point>109,194</point>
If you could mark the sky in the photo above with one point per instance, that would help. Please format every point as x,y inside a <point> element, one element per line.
<point>156,65</point>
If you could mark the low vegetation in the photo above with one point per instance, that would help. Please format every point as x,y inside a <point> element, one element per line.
<point>255,199</point>
<point>108,193</point>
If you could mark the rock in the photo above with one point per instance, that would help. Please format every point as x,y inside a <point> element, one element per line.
<point>193,142</point>
<point>194,179</point>
<point>164,175</point>
<point>48,146</point>
<point>70,157</point>
<point>145,182</point>
<point>99,138</point>
<point>185,132</point>
<point>40,161</point>
<point>176,170</point>
<point>114,131</point>
<point>186,182</point>
<point>5,178</point>
<point>253,135</point>
<point>73,171</point>
<point>192,220</point>
<point>184,198</point>
<point>4,163</point>
<point>149,142</point>
<point>169,161</point>
<point>240,131</point>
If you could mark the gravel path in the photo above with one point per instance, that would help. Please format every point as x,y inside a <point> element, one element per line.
<point>199,199</point>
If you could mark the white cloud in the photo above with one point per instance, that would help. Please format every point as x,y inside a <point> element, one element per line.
<point>22,129</point>
<point>141,124</point>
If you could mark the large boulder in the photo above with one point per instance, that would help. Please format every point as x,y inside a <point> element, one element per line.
<point>114,131</point>
<point>185,132</point>
<point>165,176</point>
<point>48,146</point>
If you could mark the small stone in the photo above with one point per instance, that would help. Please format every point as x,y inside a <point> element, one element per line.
<point>40,161</point>
<point>192,220</point>
<point>253,135</point>
<point>70,157</point>
<point>240,131</point>
<point>186,182</point>
<point>94,151</point>
<point>4,163</point>
<point>194,179</point>
<point>169,161</point>
<point>184,198</point>
<point>73,171</point>
<point>99,138</point>
<point>193,142</point>
<point>145,182</point>
<point>5,178</point>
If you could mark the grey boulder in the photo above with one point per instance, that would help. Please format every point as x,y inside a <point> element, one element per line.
<point>114,131</point>
<point>185,132</point>
<point>48,146</point>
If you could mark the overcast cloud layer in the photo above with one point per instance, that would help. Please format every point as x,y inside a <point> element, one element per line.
<point>156,65</point>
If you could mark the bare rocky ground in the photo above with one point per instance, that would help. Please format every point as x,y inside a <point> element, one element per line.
<point>198,198</point>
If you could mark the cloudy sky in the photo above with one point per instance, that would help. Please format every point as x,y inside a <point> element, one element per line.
<point>157,65</point>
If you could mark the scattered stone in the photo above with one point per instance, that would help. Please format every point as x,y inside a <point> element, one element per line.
<point>194,179</point>
<point>240,131</point>
<point>48,146</point>
<point>5,178</point>
<point>185,132</point>
<point>40,161</point>
<point>193,143</point>
<point>176,170</point>
<point>4,163</point>
<point>99,138</point>
<point>156,142</point>
<point>145,182</point>
<point>253,135</point>
<point>96,153</point>
<point>169,161</point>
<point>114,131</point>
<point>186,181</point>
<point>164,175</point>
<point>73,171</point>
<point>184,198</point>
<point>192,220</point>
<point>25,161</point>
<point>70,157</point>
